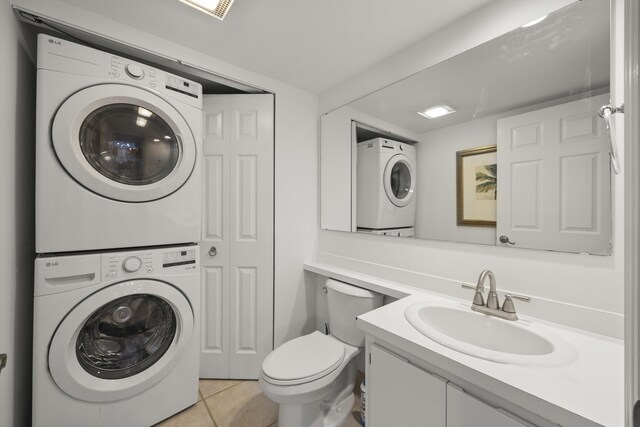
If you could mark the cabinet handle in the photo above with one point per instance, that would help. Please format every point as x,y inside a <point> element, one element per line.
<point>213,251</point>
<point>3,361</point>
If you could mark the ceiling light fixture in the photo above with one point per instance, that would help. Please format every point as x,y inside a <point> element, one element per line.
<point>215,8</point>
<point>535,21</point>
<point>437,111</point>
<point>140,121</point>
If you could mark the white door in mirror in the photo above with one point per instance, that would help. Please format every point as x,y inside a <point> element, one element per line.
<point>554,179</point>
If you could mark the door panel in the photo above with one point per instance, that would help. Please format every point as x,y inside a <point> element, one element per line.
<point>238,216</point>
<point>555,188</point>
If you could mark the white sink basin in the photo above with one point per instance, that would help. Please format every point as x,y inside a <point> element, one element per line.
<point>519,342</point>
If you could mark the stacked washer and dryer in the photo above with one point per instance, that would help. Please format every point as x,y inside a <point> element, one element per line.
<point>117,274</point>
<point>386,173</point>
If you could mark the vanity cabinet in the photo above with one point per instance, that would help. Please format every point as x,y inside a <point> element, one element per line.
<point>464,410</point>
<point>402,394</point>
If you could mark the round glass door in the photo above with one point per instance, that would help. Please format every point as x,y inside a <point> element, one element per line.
<point>129,144</point>
<point>126,336</point>
<point>121,340</point>
<point>399,180</point>
<point>123,143</point>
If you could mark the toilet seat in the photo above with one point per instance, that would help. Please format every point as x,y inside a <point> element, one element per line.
<point>303,359</point>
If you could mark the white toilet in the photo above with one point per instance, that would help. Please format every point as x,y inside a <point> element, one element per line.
<point>312,377</point>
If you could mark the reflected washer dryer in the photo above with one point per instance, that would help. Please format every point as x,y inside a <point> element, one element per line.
<point>117,144</point>
<point>386,173</point>
<point>115,337</point>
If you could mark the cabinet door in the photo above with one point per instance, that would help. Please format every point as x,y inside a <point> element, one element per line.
<point>464,411</point>
<point>401,394</point>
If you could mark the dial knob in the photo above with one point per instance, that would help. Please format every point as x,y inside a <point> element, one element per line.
<point>134,70</point>
<point>132,264</point>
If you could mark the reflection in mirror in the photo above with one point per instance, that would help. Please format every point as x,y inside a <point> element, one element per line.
<point>515,155</point>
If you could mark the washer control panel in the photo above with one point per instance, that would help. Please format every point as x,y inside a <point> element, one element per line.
<point>150,262</point>
<point>127,264</point>
<point>179,257</point>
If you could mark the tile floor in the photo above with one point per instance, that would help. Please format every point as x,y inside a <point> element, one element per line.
<point>226,403</point>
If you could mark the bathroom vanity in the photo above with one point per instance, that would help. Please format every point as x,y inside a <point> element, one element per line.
<point>572,377</point>
<point>413,380</point>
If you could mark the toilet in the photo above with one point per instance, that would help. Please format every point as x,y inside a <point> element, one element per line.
<point>312,377</point>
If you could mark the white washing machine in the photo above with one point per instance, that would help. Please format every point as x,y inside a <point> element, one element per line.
<point>116,337</point>
<point>117,144</point>
<point>386,173</point>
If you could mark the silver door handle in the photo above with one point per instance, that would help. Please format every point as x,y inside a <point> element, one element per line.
<point>3,361</point>
<point>213,251</point>
<point>505,239</point>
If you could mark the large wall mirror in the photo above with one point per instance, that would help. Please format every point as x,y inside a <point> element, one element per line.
<point>514,154</point>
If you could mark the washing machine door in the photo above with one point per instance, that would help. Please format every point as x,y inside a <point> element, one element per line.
<point>123,142</point>
<point>399,180</point>
<point>121,340</point>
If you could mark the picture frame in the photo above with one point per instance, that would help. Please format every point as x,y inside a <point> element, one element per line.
<point>477,186</point>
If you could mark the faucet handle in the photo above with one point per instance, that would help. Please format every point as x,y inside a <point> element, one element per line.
<point>508,306</point>
<point>478,299</point>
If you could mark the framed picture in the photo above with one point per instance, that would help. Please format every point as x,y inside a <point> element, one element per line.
<point>477,185</point>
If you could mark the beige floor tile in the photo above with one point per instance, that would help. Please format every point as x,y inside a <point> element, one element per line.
<point>194,416</point>
<point>243,405</point>
<point>210,387</point>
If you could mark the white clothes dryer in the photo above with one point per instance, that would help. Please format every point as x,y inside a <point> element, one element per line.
<point>116,337</point>
<point>117,145</point>
<point>386,174</point>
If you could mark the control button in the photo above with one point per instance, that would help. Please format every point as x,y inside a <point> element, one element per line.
<point>152,84</point>
<point>115,74</point>
<point>113,274</point>
<point>132,264</point>
<point>135,71</point>
<point>149,269</point>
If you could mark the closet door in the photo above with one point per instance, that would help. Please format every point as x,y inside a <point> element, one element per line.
<point>237,241</point>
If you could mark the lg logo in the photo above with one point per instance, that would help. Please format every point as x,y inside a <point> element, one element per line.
<point>51,264</point>
<point>58,42</point>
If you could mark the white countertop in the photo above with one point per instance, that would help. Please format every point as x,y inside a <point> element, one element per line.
<point>588,391</point>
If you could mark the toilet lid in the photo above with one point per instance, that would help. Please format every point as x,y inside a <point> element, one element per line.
<point>306,358</point>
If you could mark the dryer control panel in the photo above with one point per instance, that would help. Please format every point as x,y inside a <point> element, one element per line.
<point>57,54</point>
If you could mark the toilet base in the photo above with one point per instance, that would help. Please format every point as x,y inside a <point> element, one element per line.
<point>330,411</point>
<point>315,415</point>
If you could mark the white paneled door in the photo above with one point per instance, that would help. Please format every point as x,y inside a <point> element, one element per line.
<point>237,241</point>
<point>554,186</point>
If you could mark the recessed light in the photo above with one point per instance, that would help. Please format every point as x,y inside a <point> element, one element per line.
<point>535,21</point>
<point>437,111</point>
<point>215,8</point>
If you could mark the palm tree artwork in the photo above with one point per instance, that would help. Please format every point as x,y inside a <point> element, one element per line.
<point>486,182</point>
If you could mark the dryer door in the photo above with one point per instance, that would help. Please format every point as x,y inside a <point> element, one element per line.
<point>399,180</point>
<point>123,142</point>
<point>121,340</point>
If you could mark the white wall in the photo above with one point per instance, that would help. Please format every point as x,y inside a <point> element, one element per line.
<point>296,159</point>
<point>592,285</point>
<point>16,222</point>
<point>436,186</point>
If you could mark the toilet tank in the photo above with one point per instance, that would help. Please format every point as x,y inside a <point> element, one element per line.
<point>345,303</point>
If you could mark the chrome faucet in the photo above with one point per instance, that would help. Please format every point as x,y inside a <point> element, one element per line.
<point>492,306</point>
